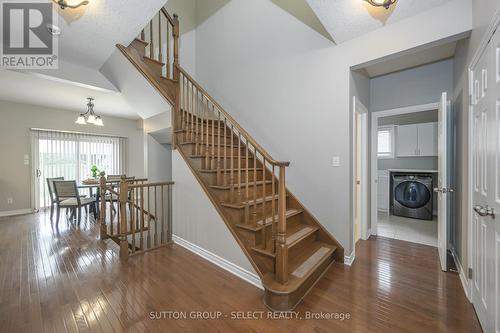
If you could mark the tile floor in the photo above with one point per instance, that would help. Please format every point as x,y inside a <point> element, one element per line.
<point>406,229</point>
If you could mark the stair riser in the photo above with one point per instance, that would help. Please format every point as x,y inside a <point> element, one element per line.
<point>297,248</point>
<point>156,68</point>
<point>240,213</point>
<point>139,47</point>
<point>201,148</point>
<point>211,177</point>
<point>290,223</point>
<point>288,302</point>
<point>257,191</point>
<point>192,137</point>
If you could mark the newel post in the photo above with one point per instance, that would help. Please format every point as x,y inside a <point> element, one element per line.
<point>102,217</point>
<point>177,109</point>
<point>281,247</point>
<point>123,218</point>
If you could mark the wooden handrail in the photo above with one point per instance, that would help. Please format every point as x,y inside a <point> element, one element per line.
<point>167,15</point>
<point>233,122</point>
<point>151,184</point>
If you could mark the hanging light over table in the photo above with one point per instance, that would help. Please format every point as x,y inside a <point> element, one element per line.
<point>89,117</point>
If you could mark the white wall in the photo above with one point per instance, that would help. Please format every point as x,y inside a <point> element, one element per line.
<point>17,119</point>
<point>159,160</point>
<point>196,220</point>
<point>289,87</point>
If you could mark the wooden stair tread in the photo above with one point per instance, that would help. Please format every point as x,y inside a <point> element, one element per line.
<point>228,145</point>
<point>153,60</point>
<point>216,155</point>
<point>304,265</point>
<point>294,236</point>
<point>228,187</point>
<point>141,41</point>
<point>261,223</point>
<point>250,202</point>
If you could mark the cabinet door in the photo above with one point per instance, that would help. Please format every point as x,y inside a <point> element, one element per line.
<point>407,140</point>
<point>427,141</point>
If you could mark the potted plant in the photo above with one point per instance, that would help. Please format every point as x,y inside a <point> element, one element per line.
<point>94,171</point>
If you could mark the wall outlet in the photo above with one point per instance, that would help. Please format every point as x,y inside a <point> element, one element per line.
<point>10,201</point>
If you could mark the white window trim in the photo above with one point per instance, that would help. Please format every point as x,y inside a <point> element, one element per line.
<point>392,129</point>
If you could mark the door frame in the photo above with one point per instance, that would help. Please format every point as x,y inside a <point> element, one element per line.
<point>373,159</point>
<point>362,110</point>
<point>495,23</point>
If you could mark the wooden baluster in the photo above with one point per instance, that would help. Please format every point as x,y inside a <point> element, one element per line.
<point>137,212</point>
<point>102,217</point>
<point>143,35</point>
<point>224,167</point>
<point>254,211</point>
<point>238,198</point>
<point>219,171</point>
<point>247,179</point>
<point>207,148</point>
<point>151,47</point>
<point>169,212</point>
<point>273,210</point>
<point>149,219</point>
<point>123,219</point>
<point>281,247</point>
<point>160,44</point>
<point>117,214</point>
<point>168,50</point>
<point>176,41</point>
<point>191,109</point>
<point>202,126</point>
<point>231,175</point>
<point>264,227</point>
<point>141,236</point>
<point>162,224</point>
<point>155,234</point>
<point>212,162</point>
<point>184,110</point>
<point>197,124</point>
<point>133,221</point>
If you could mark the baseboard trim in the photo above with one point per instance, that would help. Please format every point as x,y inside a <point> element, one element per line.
<point>242,273</point>
<point>349,260</point>
<point>461,273</point>
<point>16,212</point>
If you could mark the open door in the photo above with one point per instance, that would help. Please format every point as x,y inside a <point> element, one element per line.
<point>442,190</point>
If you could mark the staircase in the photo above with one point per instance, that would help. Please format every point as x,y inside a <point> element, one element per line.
<point>287,246</point>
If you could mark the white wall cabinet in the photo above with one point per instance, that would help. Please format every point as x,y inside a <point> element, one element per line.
<point>417,140</point>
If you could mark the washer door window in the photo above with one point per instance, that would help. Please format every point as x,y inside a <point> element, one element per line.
<point>412,194</point>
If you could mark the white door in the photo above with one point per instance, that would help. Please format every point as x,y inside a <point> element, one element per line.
<point>486,187</point>
<point>442,190</point>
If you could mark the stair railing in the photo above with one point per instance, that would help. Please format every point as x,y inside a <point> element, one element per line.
<point>162,36</point>
<point>139,217</point>
<point>239,161</point>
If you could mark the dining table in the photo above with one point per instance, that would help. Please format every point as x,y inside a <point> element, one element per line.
<point>90,185</point>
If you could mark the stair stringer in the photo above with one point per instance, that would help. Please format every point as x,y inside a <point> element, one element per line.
<point>180,166</point>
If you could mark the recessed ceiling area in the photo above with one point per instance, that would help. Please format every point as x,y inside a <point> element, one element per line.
<point>407,61</point>
<point>348,19</point>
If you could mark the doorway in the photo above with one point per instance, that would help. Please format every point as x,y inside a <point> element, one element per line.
<point>360,171</point>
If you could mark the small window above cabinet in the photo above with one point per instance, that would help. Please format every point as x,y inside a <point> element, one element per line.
<point>416,140</point>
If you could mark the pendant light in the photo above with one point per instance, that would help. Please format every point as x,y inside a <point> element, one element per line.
<point>381,3</point>
<point>89,117</point>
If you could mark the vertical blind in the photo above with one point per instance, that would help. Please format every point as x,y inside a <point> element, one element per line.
<point>71,155</point>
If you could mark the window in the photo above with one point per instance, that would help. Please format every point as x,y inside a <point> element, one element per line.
<point>385,147</point>
<point>71,155</point>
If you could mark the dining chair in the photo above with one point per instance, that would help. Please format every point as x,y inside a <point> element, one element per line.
<point>67,196</point>
<point>52,194</point>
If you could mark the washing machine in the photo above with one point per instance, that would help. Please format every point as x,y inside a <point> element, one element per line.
<point>412,195</point>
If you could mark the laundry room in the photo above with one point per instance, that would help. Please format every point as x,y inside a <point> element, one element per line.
<point>404,180</point>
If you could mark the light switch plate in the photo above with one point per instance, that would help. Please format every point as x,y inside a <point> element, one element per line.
<point>26,156</point>
<point>335,161</point>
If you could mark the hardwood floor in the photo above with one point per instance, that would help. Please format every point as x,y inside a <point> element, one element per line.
<point>66,280</point>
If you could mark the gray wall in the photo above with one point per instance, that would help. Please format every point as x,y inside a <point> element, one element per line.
<point>17,119</point>
<point>159,160</point>
<point>420,85</point>
<point>482,15</point>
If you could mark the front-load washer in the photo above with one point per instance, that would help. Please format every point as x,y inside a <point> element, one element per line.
<point>412,195</point>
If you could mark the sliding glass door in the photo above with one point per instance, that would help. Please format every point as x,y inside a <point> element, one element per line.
<point>72,155</point>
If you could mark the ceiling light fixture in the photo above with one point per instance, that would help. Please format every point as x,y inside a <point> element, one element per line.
<point>381,3</point>
<point>89,117</point>
<point>64,4</point>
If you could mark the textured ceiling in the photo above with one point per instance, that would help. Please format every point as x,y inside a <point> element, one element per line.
<point>348,19</point>
<point>89,34</point>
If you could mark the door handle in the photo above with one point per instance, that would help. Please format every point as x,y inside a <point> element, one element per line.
<point>38,173</point>
<point>443,190</point>
<point>484,211</point>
